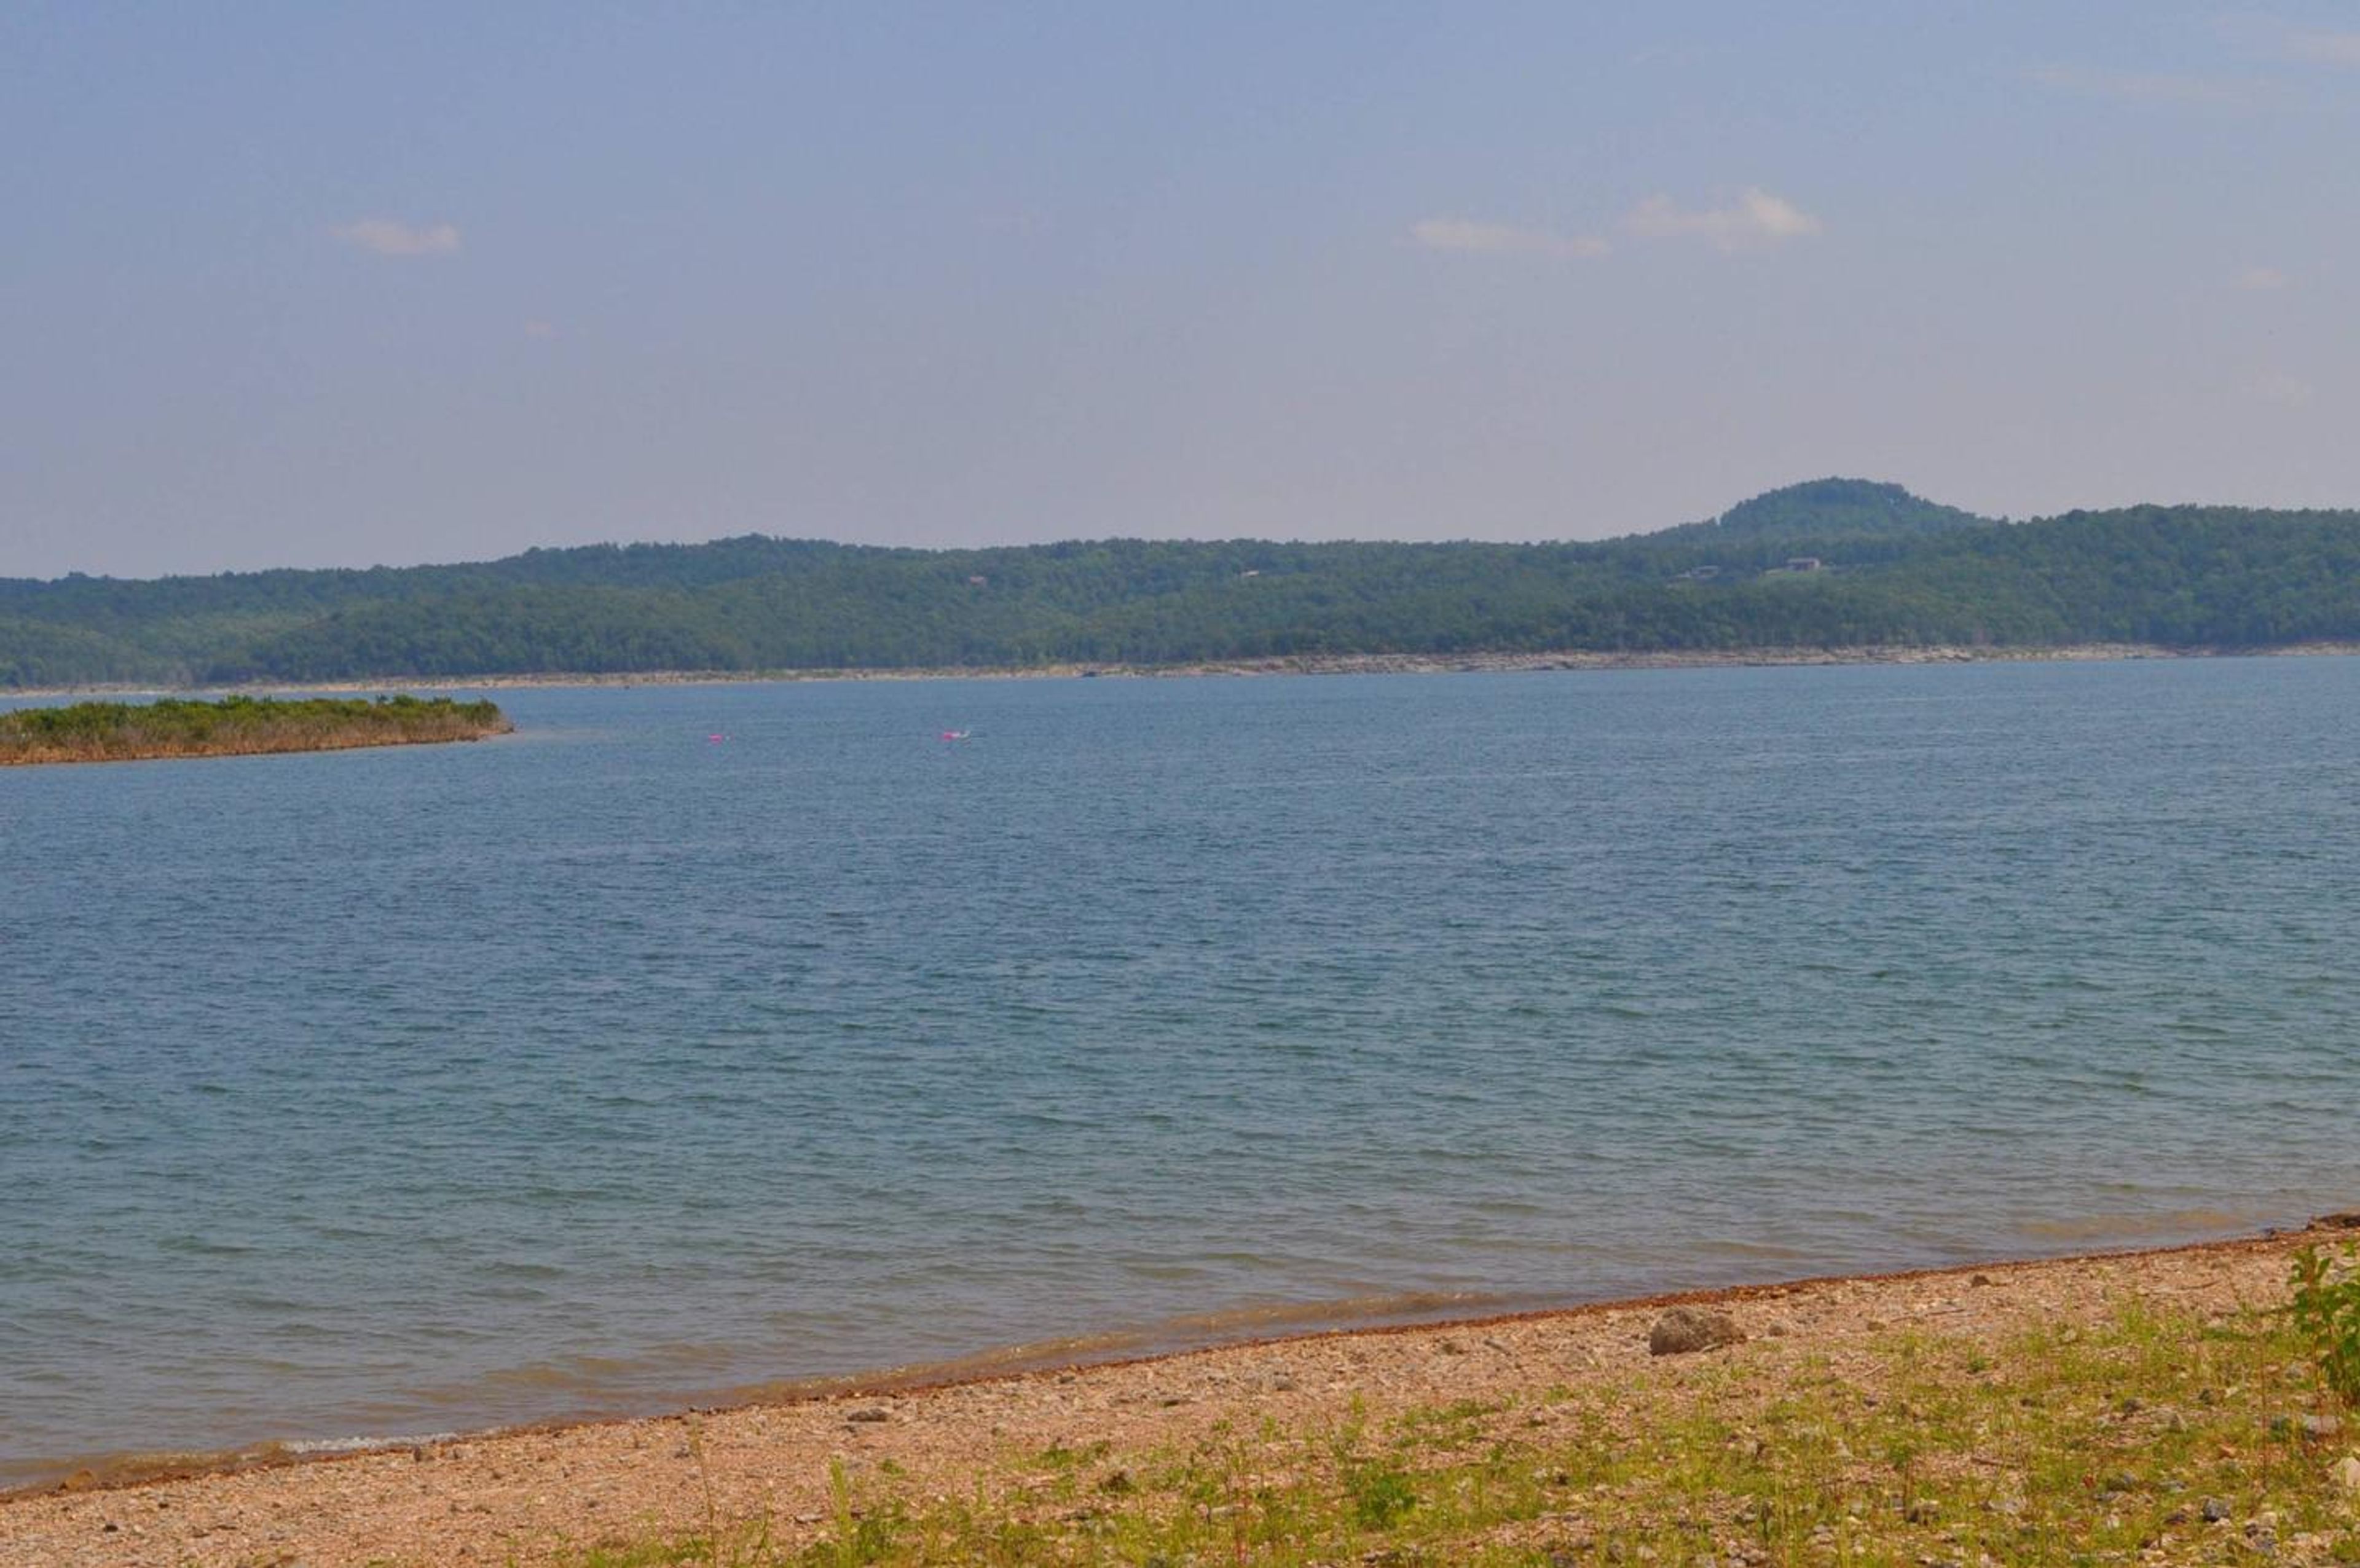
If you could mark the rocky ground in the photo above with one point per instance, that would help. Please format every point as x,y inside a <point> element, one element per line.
<point>1074,1455</point>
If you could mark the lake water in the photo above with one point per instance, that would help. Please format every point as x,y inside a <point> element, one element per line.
<point>611,1066</point>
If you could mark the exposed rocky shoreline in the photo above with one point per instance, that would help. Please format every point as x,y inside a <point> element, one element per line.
<point>1298,664</point>
<point>543,1495</point>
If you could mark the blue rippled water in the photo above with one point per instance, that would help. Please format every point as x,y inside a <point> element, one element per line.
<point>610,1065</point>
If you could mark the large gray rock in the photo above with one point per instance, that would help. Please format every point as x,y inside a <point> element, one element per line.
<point>1684,1329</point>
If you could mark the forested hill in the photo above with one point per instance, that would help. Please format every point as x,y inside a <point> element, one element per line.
<point>1825,509</point>
<point>1835,563</point>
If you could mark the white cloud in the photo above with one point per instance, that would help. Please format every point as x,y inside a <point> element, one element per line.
<point>2279,389</point>
<point>2145,87</point>
<point>2325,48</point>
<point>2260,279</point>
<point>386,237</point>
<point>1756,218</point>
<point>1501,239</point>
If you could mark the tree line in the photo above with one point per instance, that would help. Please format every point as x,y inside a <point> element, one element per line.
<point>1875,567</point>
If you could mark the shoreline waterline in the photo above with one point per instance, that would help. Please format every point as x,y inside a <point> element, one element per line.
<point>1087,1354</point>
<point>1295,664</point>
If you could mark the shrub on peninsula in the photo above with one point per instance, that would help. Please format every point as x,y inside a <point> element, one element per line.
<point>235,725</point>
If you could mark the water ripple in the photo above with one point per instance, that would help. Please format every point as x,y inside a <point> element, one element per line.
<point>407,1090</point>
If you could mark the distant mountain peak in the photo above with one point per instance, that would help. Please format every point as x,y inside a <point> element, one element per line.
<point>1818,507</point>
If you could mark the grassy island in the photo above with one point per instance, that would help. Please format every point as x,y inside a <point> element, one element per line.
<point>238,726</point>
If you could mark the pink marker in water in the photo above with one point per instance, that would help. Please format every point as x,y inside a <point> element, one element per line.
<point>717,737</point>
<point>957,735</point>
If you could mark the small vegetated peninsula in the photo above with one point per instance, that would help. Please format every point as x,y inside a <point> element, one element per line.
<point>238,726</point>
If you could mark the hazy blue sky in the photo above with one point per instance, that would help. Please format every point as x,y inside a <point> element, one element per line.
<point>300,284</point>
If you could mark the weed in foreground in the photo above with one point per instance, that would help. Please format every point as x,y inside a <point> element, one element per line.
<point>2326,1312</point>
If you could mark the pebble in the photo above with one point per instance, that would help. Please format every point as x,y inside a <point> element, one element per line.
<point>2214,1510</point>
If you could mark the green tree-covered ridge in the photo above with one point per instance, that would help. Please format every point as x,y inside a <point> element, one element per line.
<point>115,732</point>
<point>1834,563</point>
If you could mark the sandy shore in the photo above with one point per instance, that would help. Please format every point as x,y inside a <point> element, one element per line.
<point>1300,664</point>
<point>537,1495</point>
